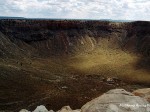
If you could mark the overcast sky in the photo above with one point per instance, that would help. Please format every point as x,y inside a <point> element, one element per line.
<point>77,9</point>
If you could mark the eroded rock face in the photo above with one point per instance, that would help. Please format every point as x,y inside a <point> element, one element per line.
<point>54,37</point>
<point>62,37</point>
<point>7,48</point>
<point>117,100</point>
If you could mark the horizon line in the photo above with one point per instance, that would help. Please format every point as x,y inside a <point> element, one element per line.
<point>46,18</point>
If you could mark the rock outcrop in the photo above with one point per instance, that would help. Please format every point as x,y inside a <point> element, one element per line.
<point>116,100</point>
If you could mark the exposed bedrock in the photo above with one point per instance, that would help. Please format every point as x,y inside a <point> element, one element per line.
<point>54,37</point>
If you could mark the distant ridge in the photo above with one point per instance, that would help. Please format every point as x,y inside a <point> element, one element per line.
<point>7,17</point>
<point>111,20</point>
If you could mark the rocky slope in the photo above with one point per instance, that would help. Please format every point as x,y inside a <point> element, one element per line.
<point>49,37</point>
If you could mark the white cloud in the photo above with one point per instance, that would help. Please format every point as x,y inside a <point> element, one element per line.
<point>88,9</point>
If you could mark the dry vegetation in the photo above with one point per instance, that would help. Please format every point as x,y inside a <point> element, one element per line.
<point>111,63</point>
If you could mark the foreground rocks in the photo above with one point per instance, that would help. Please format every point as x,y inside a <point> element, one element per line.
<point>144,93</point>
<point>116,100</point>
<point>68,109</point>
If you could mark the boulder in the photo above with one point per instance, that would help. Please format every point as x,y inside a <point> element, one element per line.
<point>41,108</point>
<point>117,100</point>
<point>67,109</point>
<point>144,93</point>
<point>24,110</point>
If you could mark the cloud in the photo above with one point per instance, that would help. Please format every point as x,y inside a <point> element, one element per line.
<point>78,9</point>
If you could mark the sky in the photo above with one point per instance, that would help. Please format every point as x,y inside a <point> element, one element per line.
<point>77,9</point>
